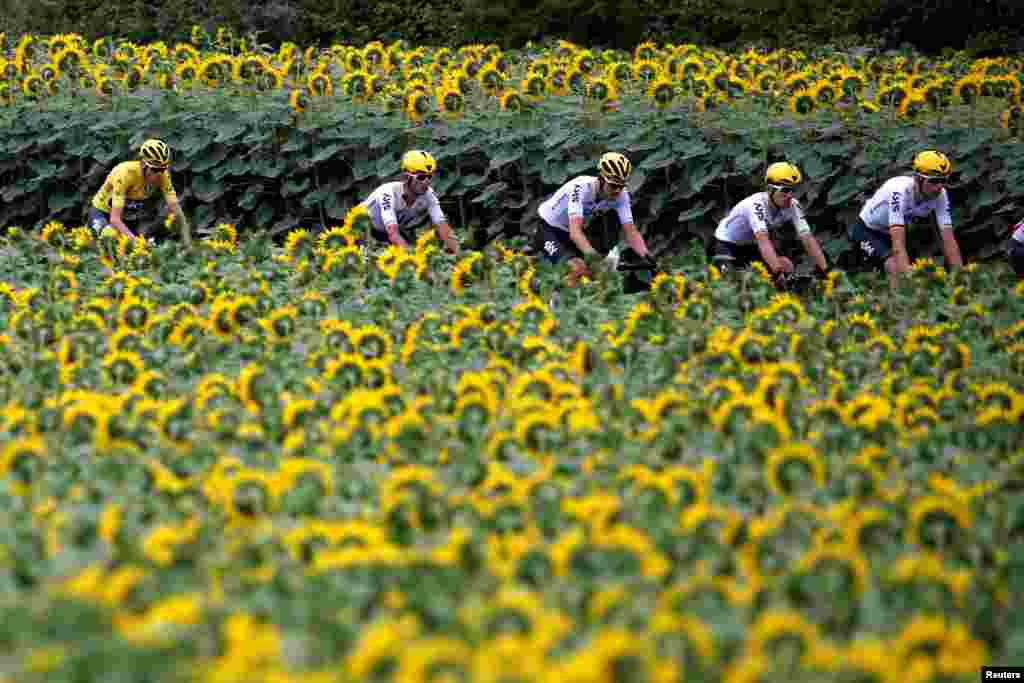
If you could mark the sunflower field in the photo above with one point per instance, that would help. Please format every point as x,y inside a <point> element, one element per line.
<point>253,460</point>
<point>247,463</point>
<point>276,139</point>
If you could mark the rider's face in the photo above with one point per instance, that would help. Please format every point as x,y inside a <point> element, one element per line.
<point>783,198</point>
<point>419,182</point>
<point>931,188</point>
<point>612,190</point>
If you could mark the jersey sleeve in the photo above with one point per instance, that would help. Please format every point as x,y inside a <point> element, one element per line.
<point>624,208</point>
<point>757,216</point>
<point>436,214</point>
<point>942,214</point>
<point>897,205</point>
<point>803,228</point>
<point>575,204</point>
<point>118,190</point>
<point>388,215</point>
<point>167,187</point>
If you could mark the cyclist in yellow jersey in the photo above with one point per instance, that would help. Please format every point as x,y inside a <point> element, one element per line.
<point>130,185</point>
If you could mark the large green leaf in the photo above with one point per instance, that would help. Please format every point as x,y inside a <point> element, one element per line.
<point>704,174</point>
<point>695,212</point>
<point>59,201</point>
<point>251,197</point>
<point>506,154</point>
<point>206,188</point>
<point>229,129</point>
<point>294,185</point>
<point>490,194</point>
<point>660,159</point>
<point>845,188</point>
<point>210,157</point>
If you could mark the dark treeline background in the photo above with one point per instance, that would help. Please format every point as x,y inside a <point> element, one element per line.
<point>985,27</point>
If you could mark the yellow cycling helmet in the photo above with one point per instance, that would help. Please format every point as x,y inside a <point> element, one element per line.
<point>783,174</point>
<point>932,164</point>
<point>614,168</point>
<point>418,161</point>
<point>155,154</point>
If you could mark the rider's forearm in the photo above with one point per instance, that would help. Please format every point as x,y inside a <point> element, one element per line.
<point>767,249</point>
<point>635,239</point>
<point>445,231</point>
<point>118,223</point>
<point>578,238</point>
<point>815,252</point>
<point>899,242</point>
<point>186,227</point>
<point>951,249</point>
<point>396,237</point>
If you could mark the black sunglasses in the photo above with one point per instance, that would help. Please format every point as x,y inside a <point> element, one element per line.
<point>423,177</point>
<point>782,188</point>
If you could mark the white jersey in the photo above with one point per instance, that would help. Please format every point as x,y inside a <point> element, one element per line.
<point>578,198</point>
<point>895,203</point>
<point>387,207</point>
<point>1018,232</point>
<point>756,214</point>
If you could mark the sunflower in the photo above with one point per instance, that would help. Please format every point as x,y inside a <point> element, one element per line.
<point>1012,119</point>
<point>646,70</point>
<point>512,101</point>
<point>33,86</point>
<point>893,95</point>
<point>319,84</point>
<point>418,105</point>
<point>620,72</point>
<point>803,102</point>
<point>298,101</point>
<point>824,92</point>
<point>357,85</point>
<point>913,104</point>
<point>937,93</point>
<point>585,62</point>
<point>602,90</point>
<point>70,60</point>
<point>491,79</point>
<point>451,102</point>
<point>767,81</point>
<point>557,83</point>
<point>186,71</point>
<point>533,87</point>
<point>540,67</point>
<point>662,91</point>
<point>781,461</point>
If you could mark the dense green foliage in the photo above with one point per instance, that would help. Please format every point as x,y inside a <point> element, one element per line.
<point>264,167</point>
<point>990,25</point>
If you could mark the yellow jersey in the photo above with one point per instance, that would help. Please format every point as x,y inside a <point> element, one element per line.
<point>125,188</point>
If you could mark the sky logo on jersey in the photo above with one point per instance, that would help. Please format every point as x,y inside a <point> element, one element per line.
<point>894,202</point>
<point>385,202</point>
<point>759,210</point>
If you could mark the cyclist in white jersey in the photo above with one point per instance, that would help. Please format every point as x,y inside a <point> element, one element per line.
<point>397,207</point>
<point>566,212</point>
<point>744,236</point>
<point>880,232</point>
<point>1015,249</point>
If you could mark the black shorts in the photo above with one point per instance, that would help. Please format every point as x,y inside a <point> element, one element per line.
<point>408,234</point>
<point>874,246</point>
<point>96,220</point>
<point>731,256</point>
<point>554,244</point>
<point>1015,253</point>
